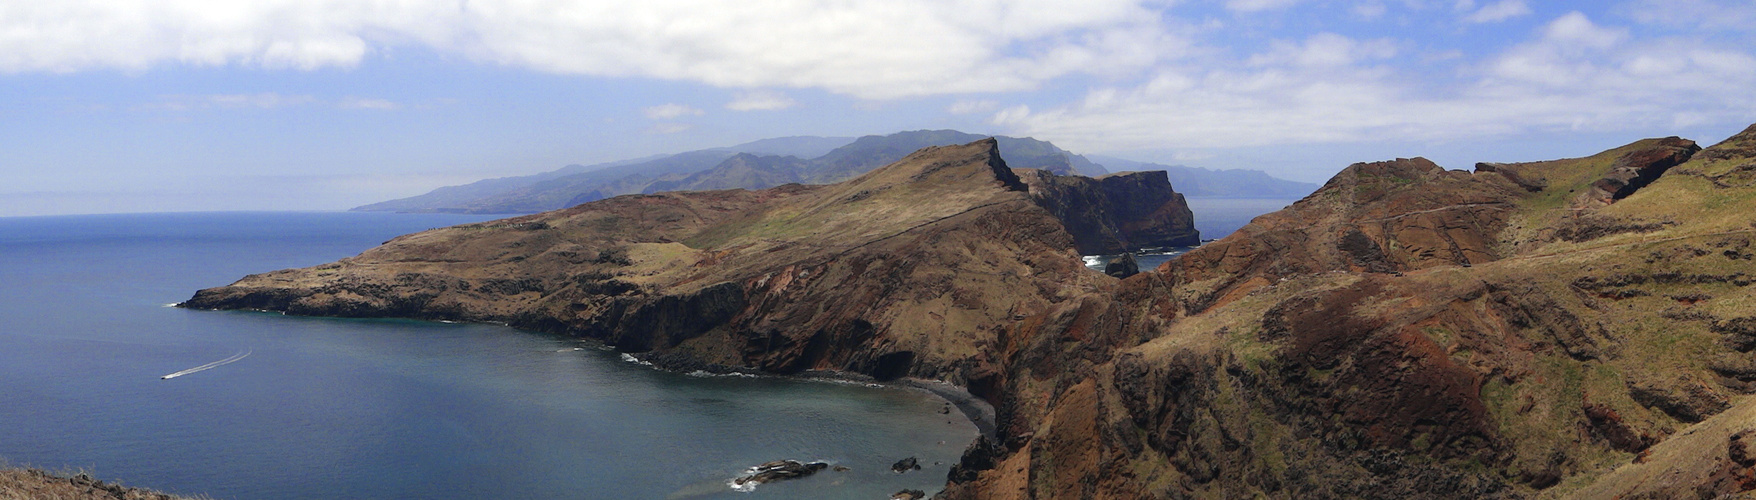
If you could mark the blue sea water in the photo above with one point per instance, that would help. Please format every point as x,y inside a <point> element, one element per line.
<point>336,408</point>
<point>1215,218</point>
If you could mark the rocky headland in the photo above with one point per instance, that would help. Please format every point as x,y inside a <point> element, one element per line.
<point>1576,327</point>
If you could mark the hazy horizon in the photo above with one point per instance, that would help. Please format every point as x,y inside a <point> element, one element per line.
<point>183,105</point>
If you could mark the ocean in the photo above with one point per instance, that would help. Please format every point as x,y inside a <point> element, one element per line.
<point>298,407</point>
<point>1215,218</point>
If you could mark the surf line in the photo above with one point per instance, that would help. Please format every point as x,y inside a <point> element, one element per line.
<point>234,358</point>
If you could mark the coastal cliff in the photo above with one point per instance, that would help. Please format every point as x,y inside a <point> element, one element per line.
<point>910,269</point>
<point>1524,330</point>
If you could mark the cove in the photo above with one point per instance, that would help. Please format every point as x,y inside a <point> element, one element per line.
<point>385,408</point>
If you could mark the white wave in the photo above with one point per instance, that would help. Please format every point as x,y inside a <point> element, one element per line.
<point>234,358</point>
<point>631,359</point>
<point>705,373</point>
<point>742,488</point>
<point>173,304</point>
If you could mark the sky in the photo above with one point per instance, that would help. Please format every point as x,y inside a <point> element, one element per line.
<point>200,105</point>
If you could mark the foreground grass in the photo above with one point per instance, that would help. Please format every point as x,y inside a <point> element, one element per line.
<point>36,484</point>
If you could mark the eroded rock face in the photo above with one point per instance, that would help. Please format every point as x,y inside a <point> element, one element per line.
<point>1116,213</point>
<point>907,270</point>
<point>1405,332</point>
<point>1638,168</point>
<point>1382,217</point>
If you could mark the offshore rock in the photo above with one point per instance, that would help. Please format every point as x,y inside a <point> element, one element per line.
<point>905,465</point>
<point>1123,266</point>
<point>779,470</point>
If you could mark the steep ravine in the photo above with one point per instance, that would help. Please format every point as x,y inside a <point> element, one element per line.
<point>1404,332</point>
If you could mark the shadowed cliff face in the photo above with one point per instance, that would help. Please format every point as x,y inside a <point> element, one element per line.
<point>1116,213</point>
<point>908,270</point>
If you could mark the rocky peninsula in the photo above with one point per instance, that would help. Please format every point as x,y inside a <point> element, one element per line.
<point>1576,327</point>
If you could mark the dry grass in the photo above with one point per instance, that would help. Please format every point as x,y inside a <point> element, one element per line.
<point>36,484</point>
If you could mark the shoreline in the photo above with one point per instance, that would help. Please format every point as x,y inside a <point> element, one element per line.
<point>976,410</point>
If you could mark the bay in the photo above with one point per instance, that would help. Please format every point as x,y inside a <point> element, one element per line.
<point>339,408</point>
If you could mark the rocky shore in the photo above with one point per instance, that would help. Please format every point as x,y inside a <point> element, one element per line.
<point>36,484</point>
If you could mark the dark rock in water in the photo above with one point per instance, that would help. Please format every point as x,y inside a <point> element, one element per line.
<point>780,470</point>
<point>1123,266</point>
<point>840,468</point>
<point>945,410</point>
<point>905,465</point>
<point>909,495</point>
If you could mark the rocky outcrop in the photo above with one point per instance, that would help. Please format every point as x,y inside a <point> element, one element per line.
<point>1116,213</point>
<point>779,470</point>
<point>1123,266</point>
<point>1636,169</point>
<point>34,483</point>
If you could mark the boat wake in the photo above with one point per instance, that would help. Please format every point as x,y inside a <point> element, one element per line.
<point>233,359</point>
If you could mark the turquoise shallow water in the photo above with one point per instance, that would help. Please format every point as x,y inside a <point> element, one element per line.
<point>333,408</point>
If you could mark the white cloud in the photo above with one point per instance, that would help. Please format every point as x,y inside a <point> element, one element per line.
<point>965,107</point>
<point>671,110</point>
<point>1259,5</point>
<point>760,100</point>
<point>1571,74</point>
<point>889,49</point>
<point>1574,30</point>
<point>1499,11</point>
<point>364,103</point>
<point>265,100</point>
<point>1369,10</point>
<point>1325,49</point>
<point>1716,15</point>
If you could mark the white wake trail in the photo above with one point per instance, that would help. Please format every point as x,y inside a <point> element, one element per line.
<point>234,358</point>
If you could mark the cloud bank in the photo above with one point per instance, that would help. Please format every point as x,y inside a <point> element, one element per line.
<point>890,49</point>
<point>1124,74</point>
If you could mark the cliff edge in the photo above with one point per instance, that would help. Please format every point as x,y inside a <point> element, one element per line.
<point>907,270</point>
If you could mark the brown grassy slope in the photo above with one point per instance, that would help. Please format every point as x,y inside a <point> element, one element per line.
<point>1404,332</point>
<point>907,269</point>
<point>33,484</point>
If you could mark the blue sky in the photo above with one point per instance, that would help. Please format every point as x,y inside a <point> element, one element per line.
<point>180,105</point>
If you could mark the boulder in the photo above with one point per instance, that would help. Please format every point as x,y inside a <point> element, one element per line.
<point>905,465</point>
<point>1123,266</point>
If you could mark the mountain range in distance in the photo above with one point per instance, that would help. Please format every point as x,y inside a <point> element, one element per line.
<point>800,159</point>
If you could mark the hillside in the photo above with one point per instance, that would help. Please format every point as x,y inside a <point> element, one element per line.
<point>1577,327</point>
<point>721,168</point>
<point>1408,332</point>
<point>903,270</point>
<point>36,484</point>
